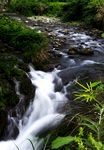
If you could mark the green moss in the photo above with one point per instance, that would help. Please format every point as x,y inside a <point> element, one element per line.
<point>26,86</point>
<point>8,71</point>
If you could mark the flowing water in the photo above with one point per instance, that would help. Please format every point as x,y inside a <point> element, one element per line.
<point>43,114</point>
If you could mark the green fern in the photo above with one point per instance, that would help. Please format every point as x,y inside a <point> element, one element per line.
<point>89,93</point>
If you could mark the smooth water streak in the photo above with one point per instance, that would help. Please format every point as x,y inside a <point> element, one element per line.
<point>42,113</point>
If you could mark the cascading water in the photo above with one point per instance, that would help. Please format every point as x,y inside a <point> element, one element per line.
<point>42,112</point>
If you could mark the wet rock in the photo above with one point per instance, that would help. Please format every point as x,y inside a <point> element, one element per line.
<point>64,31</point>
<point>54,53</point>
<point>26,87</point>
<point>3,121</point>
<point>11,69</point>
<point>94,72</point>
<point>52,35</point>
<point>80,51</point>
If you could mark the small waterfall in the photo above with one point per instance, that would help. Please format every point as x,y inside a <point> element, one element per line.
<point>13,120</point>
<point>42,113</point>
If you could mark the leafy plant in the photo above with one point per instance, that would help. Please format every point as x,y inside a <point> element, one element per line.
<point>90,92</point>
<point>88,143</point>
<point>95,132</point>
<point>91,12</point>
<point>102,35</point>
<point>95,126</point>
<point>83,142</point>
<point>26,41</point>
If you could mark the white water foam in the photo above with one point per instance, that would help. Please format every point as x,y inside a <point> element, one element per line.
<point>42,112</point>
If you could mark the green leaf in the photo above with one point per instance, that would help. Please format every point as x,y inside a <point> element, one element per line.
<point>101,87</point>
<point>90,121</point>
<point>61,141</point>
<point>89,126</point>
<point>102,35</point>
<point>81,85</point>
<point>95,83</point>
<point>67,148</point>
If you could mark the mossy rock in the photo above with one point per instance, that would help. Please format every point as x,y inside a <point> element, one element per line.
<point>80,51</point>
<point>26,86</point>
<point>10,70</point>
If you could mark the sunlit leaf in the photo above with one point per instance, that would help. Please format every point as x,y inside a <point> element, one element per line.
<point>95,83</point>
<point>83,118</point>
<point>61,141</point>
<point>92,127</point>
<point>102,35</point>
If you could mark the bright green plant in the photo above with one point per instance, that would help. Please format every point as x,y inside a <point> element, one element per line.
<point>95,127</point>
<point>83,143</point>
<point>89,92</point>
<point>54,8</point>
<point>102,35</point>
<point>93,141</point>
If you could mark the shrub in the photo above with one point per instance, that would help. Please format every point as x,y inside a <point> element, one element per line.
<point>74,10</point>
<point>26,41</point>
<point>36,7</point>
<point>91,12</point>
<point>26,7</point>
<point>54,8</point>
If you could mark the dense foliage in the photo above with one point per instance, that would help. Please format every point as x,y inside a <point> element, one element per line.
<point>91,12</point>
<point>91,130</point>
<point>26,41</point>
<point>35,7</point>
